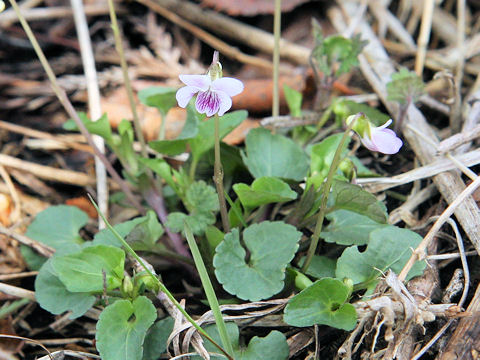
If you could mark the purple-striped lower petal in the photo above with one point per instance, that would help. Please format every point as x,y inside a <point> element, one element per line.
<point>208,102</point>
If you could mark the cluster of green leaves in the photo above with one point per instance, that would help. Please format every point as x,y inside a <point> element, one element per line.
<point>274,210</point>
<point>83,273</point>
<point>335,55</point>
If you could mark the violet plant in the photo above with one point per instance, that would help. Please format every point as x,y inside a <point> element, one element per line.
<point>268,244</point>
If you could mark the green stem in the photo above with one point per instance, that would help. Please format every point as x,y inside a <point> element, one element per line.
<point>326,191</point>
<point>277,17</point>
<point>6,310</point>
<point>126,79</point>
<point>218,178</point>
<point>209,292</point>
<point>160,284</point>
<point>193,168</point>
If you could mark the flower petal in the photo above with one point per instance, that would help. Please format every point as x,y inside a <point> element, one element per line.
<point>225,102</point>
<point>208,102</point>
<point>184,95</point>
<point>368,144</point>
<point>386,141</point>
<point>228,85</point>
<point>201,82</point>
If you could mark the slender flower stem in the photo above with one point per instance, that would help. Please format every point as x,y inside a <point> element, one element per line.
<point>209,292</point>
<point>218,178</point>
<point>276,58</point>
<point>162,287</point>
<point>62,97</point>
<point>326,191</point>
<point>126,79</point>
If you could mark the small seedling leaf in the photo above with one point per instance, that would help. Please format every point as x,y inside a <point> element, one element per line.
<point>322,303</point>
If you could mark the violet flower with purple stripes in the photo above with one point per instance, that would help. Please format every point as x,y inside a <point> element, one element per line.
<point>214,93</point>
<point>382,139</point>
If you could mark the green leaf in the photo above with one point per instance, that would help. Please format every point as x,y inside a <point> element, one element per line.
<point>272,347</point>
<point>160,97</point>
<point>106,237</point>
<point>349,228</point>
<point>294,100</point>
<point>178,145</point>
<point>53,296</point>
<point>271,245</point>
<point>351,197</point>
<point>58,227</point>
<point>274,155</point>
<point>321,155</point>
<point>324,303</point>
<point>264,190</point>
<point>100,127</point>
<point>343,108</point>
<point>84,271</point>
<point>320,267</point>
<point>201,201</point>
<point>122,327</point>
<point>156,340</point>
<point>205,139</point>
<point>388,248</point>
<point>145,234</point>
<point>405,87</point>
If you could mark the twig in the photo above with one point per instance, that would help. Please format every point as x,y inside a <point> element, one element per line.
<point>94,106</point>
<point>13,192</point>
<point>62,97</point>
<point>46,13</point>
<point>47,172</point>
<point>16,291</point>
<point>456,111</point>
<point>233,29</point>
<point>209,39</point>
<point>424,36</point>
<point>42,249</point>
<point>419,252</point>
<point>277,21</point>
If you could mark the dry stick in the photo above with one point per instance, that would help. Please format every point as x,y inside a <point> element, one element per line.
<point>63,140</point>
<point>62,97</point>
<point>209,39</point>
<point>277,22</point>
<point>153,196</point>
<point>16,291</point>
<point>47,172</point>
<point>93,102</point>
<point>42,249</point>
<point>424,36</point>
<point>13,192</point>
<point>456,111</point>
<point>233,29</point>
<point>378,74</point>
<point>419,252</point>
<point>46,13</point>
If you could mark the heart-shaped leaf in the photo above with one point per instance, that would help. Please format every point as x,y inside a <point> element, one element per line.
<point>323,302</point>
<point>86,270</point>
<point>271,245</point>
<point>320,267</point>
<point>53,296</point>
<point>122,327</point>
<point>352,197</point>
<point>270,154</point>
<point>160,97</point>
<point>156,340</point>
<point>58,227</point>
<point>388,248</point>
<point>349,228</point>
<point>264,190</point>
<point>274,346</point>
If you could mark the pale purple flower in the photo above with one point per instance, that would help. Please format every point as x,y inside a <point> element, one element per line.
<point>213,96</point>
<point>382,139</point>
